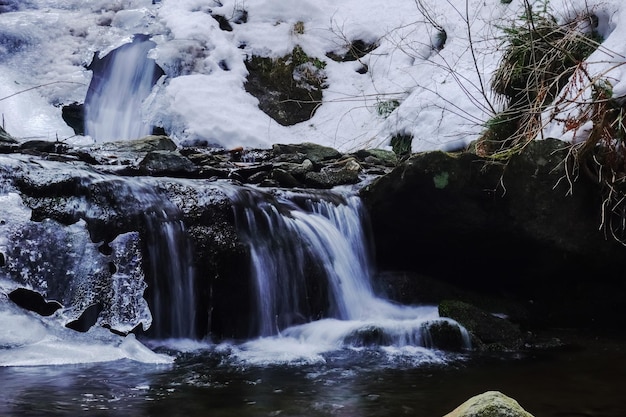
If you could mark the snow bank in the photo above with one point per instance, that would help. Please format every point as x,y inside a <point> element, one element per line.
<point>443,94</point>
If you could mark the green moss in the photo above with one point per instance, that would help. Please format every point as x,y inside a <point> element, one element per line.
<point>401,144</point>
<point>441,180</point>
<point>289,88</point>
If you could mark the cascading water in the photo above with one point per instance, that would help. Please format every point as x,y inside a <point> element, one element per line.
<point>121,81</point>
<point>308,247</point>
<point>170,264</point>
<point>167,259</point>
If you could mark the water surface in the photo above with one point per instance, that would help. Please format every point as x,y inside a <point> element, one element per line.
<point>584,380</point>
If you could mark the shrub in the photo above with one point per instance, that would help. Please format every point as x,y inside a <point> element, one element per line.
<point>540,57</point>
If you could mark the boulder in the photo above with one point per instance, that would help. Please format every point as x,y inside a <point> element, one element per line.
<point>489,404</point>
<point>289,89</point>
<point>521,229</point>
<point>488,331</point>
<point>167,163</point>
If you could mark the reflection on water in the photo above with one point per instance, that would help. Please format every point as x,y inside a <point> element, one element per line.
<point>586,381</point>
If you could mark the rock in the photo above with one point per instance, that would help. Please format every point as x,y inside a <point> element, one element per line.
<point>74,115</point>
<point>353,51</point>
<point>146,144</point>
<point>98,230</point>
<point>491,332</point>
<point>44,146</point>
<point>444,335</point>
<point>368,336</point>
<point>298,170</point>
<point>489,404</point>
<point>331,177</point>
<point>167,163</point>
<point>378,156</point>
<point>339,173</point>
<point>284,178</point>
<point>515,229</point>
<point>289,89</point>
<point>33,301</point>
<point>87,319</point>
<point>311,151</point>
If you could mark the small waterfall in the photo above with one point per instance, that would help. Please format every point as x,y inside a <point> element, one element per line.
<point>170,265</point>
<point>311,246</point>
<point>170,261</point>
<point>295,249</point>
<point>122,80</point>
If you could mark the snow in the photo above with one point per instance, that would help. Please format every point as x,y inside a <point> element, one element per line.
<point>443,94</point>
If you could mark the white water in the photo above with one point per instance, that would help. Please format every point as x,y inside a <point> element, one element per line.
<point>113,107</point>
<point>291,234</point>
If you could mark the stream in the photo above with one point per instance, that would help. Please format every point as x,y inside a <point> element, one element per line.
<point>583,380</point>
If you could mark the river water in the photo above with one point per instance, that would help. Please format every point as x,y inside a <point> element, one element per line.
<point>586,379</point>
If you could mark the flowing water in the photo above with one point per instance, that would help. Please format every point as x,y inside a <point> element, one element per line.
<point>308,245</point>
<point>585,382</point>
<point>122,80</point>
<point>353,355</point>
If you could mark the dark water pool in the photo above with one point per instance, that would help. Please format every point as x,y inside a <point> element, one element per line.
<point>585,380</point>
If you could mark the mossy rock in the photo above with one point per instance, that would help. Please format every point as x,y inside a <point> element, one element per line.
<point>490,404</point>
<point>445,335</point>
<point>379,156</point>
<point>492,331</point>
<point>289,89</point>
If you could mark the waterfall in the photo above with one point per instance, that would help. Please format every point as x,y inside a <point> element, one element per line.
<point>313,277</point>
<point>121,81</point>
<point>292,246</point>
<point>169,263</point>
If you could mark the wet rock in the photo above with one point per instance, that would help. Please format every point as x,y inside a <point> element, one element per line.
<point>284,178</point>
<point>489,404</point>
<point>167,163</point>
<point>329,177</point>
<point>248,170</point>
<point>311,151</point>
<point>146,144</point>
<point>87,319</point>
<point>44,146</point>
<point>368,336</point>
<point>491,332</point>
<point>33,301</point>
<point>445,336</point>
<point>297,170</point>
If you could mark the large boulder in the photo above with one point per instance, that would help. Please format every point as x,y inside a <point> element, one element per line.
<point>76,229</point>
<point>488,331</point>
<point>522,229</point>
<point>489,404</point>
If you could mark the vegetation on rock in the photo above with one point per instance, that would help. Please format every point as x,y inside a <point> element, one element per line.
<point>540,58</point>
<point>289,89</point>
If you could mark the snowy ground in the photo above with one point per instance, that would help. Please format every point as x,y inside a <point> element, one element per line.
<point>45,44</point>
